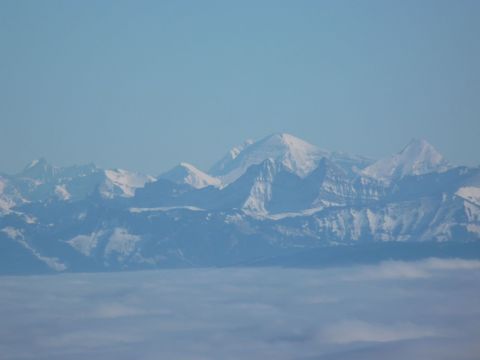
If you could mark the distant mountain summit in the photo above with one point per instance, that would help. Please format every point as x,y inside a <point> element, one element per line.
<point>124,183</point>
<point>185,173</point>
<point>39,170</point>
<point>41,181</point>
<point>279,200</point>
<point>297,155</point>
<point>417,158</point>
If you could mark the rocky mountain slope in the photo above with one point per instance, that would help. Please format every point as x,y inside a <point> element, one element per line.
<point>277,198</point>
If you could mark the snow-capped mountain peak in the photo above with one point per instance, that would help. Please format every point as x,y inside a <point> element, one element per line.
<point>185,173</point>
<point>300,156</point>
<point>417,158</point>
<point>122,182</point>
<point>297,155</point>
<point>288,197</point>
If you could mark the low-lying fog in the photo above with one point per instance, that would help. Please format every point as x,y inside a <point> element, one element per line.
<point>396,310</point>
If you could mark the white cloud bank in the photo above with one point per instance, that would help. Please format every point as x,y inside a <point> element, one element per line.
<point>396,310</point>
<point>361,331</point>
<point>393,270</point>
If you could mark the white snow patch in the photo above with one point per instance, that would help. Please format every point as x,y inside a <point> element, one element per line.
<point>17,235</point>
<point>30,219</point>
<point>261,191</point>
<point>8,197</point>
<point>13,233</point>
<point>136,210</point>
<point>127,182</point>
<point>306,212</point>
<point>188,174</point>
<point>5,205</point>
<point>121,242</point>
<point>473,228</point>
<point>234,219</point>
<point>198,179</point>
<point>470,193</point>
<point>85,243</point>
<point>62,192</point>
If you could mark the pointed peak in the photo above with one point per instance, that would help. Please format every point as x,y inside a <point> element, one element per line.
<point>418,157</point>
<point>39,169</point>
<point>422,150</point>
<point>295,154</point>
<point>185,173</point>
<point>284,138</point>
<point>288,144</point>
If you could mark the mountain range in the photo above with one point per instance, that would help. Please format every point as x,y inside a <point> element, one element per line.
<point>276,201</point>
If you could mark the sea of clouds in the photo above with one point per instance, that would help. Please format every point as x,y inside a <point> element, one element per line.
<point>397,310</point>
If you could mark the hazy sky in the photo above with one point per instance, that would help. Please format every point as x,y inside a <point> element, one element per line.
<point>146,84</point>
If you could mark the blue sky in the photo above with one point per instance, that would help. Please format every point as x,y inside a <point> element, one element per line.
<point>146,84</point>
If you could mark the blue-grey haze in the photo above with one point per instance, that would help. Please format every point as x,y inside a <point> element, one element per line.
<point>394,310</point>
<point>146,84</point>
